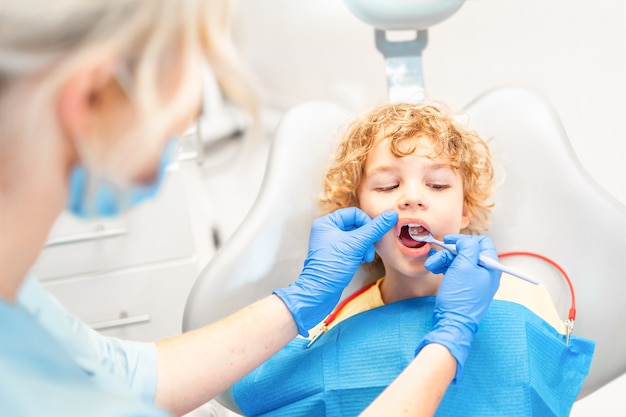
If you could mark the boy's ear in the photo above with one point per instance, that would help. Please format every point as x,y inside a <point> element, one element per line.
<point>81,97</point>
<point>465,217</point>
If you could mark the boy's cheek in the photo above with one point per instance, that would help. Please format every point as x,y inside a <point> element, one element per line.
<point>369,209</point>
<point>373,208</point>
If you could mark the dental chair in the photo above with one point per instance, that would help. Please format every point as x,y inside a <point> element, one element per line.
<point>539,180</point>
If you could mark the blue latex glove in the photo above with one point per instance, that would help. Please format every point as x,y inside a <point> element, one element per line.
<point>339,243</point>
<point>464,295</point>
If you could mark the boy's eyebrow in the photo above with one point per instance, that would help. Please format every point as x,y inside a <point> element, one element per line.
<point>427,167</point>
<point>380,169</point>
<point>440,165</point>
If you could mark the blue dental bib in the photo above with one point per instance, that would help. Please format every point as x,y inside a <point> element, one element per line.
<point>518,366</point>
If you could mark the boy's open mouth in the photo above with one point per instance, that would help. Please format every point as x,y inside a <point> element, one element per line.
<point>406,239</point>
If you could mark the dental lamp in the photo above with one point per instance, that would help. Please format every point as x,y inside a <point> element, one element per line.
<point>403,59</point>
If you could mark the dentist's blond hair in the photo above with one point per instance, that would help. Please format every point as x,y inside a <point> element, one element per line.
<point>46,39</point>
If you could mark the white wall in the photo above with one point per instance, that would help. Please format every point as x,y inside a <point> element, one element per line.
<point>573,52</point>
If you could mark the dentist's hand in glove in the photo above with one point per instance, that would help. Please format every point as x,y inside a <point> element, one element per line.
<point>339,243</point>
<point>464,295</point>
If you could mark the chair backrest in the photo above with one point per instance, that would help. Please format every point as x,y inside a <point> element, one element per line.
<point>545,203</point>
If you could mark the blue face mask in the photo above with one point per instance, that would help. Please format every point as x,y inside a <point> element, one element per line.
<point>91,196</point>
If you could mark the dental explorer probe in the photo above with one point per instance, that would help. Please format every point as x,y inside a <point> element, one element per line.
<point>485,261</point>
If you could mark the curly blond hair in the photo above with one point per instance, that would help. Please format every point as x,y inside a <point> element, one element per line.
<point>462,147</point>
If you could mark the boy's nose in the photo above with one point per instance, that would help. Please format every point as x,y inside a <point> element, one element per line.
<point>412,198</point>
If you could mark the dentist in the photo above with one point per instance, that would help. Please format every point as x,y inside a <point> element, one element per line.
<point>90,93</point>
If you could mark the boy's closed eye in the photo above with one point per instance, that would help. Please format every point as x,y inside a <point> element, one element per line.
<point>384,188</point>
<point>440,178</point>
<point>382,180</point>
<point>438,187</point>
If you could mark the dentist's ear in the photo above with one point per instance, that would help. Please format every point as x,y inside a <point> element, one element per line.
<point>89,98</point>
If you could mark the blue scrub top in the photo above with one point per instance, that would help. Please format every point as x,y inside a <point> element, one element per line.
<point>52,364</point>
